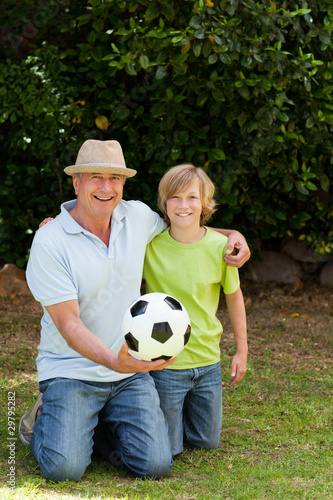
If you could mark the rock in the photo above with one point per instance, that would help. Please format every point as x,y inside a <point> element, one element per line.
<point>14,271</point>
<point>274,266</point>
<point>326,275</point>
<point>299,251</point>
<point>12,280</point>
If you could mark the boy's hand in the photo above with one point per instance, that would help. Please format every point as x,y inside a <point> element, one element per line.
<point>238,368</point>
<point>45,221</point>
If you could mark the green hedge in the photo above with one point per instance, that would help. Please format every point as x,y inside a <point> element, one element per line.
<point>242,88</point>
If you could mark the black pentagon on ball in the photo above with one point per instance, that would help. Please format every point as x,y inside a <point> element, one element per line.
<point>138,308</point>
<point>187,334</point>
<point>132,342</point>
<point>162,357</point>
<point>173,303</point>
<point>161,332</point>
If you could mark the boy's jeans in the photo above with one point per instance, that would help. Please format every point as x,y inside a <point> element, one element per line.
<point>192,404</point>
<point>131,427</point>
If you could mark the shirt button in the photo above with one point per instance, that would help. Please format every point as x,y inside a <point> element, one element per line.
<point>100,245</point>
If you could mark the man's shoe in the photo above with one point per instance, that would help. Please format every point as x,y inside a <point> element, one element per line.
<point>28,421</point>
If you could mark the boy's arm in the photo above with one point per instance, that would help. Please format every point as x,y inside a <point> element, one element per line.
<point>236,243</point>
<point>237,315</point>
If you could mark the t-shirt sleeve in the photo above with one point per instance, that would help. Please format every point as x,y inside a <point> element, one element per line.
<point>230,277</point>
<point>48,276</point>
<point>230,281</point>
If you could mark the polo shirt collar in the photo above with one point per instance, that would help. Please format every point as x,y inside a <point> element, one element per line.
<point>72,227</point>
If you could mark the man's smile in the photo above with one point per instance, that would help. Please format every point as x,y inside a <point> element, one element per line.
<point>102,198</point>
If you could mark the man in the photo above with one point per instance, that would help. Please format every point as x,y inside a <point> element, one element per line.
<point>85,268</point>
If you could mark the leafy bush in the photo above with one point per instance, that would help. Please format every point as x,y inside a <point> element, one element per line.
<point>242,88</point>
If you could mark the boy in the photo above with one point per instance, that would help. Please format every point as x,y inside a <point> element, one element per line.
<point>186,261</point>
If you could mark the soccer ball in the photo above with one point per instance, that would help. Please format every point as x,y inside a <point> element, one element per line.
<point>156,326</point>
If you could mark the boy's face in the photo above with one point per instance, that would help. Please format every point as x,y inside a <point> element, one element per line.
<point>184,208</point>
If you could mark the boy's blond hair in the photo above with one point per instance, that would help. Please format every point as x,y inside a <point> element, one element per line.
<point>178,178</point>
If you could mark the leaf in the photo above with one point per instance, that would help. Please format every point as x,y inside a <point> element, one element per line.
<point>283,116</point>
<point>186,48</point>
<point>130,69</point>
<point>144,61</point>
<point>202,98</point>
<point>311,186</point>
<point>218,154</point>
<point>280,215</point>
<point>196,49</point>
<point>325,38</point>
<point>217,39</point>
<point>242,119</point>
<point>300,187</point>
<point>177,38</point>
<point>91,37</point>
<point>212,59</point>
<point>325,183</point>
<point>225,58</point>
<point>293,315</point>
<point>161,72</point>
<point>244,92</point>
<point>200,33</point>
<point>309,122</point>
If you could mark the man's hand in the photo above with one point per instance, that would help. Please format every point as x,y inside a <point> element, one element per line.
<point>237,252</point>
<point>126,363</point>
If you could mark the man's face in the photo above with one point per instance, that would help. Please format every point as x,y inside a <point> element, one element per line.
<point>98,194</point>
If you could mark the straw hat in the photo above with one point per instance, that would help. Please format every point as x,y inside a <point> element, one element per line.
<point>100,157</point>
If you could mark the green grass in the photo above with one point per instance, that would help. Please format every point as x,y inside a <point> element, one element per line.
<point>277,437</point>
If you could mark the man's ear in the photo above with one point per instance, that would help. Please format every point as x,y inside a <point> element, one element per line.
<point>75,183</point>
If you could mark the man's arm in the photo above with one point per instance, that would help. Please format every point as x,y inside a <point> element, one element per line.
<point>237,315</point>
<point>237,252</point>
<point>66,317</point>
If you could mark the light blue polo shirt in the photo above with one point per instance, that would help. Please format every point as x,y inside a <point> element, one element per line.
<point>67,262</point>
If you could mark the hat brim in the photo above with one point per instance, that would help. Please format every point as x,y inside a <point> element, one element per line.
<point>98,169</point>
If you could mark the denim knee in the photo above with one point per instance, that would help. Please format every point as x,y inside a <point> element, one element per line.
<point>211,443</point>
<point>154,468</point>
<point>60,468</point>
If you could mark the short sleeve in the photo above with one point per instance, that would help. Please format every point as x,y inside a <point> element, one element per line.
<point>230,277</point>
<point>48,276</point>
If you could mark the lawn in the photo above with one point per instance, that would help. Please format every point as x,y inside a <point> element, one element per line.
<point>277,436</point>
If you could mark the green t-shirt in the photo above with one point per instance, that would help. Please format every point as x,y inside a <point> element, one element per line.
<point>193,273</point>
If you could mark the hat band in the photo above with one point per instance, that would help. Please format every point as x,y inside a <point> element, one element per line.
<point>116,165</point>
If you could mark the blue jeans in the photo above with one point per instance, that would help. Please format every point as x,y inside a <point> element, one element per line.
<point>130,427</point>
<point>192,404</point>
